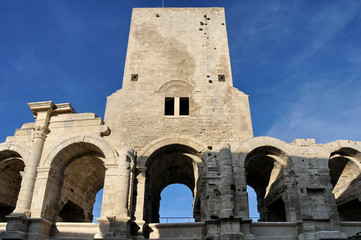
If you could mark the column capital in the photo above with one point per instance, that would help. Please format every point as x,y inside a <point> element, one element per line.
<point>40,132</point>
<point>37,107</point>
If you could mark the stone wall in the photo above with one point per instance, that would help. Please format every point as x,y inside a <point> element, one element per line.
<point>177,119</point>
<point>178,53</point>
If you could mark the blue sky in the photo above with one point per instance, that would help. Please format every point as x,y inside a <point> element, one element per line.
<point>300,61</point>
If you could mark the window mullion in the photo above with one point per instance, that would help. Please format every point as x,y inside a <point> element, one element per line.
<point>176,106</point>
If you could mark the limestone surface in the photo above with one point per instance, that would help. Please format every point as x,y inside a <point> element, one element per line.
<point>177,119</point>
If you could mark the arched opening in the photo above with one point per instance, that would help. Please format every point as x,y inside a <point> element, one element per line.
<point>345,171</point>
<point>252,204</point>
<point>169,165</point>
<point>178,195</point>
<point>80,172</point>
<point>11,166</point>
<point>97,205</point>
<point>264,173</point>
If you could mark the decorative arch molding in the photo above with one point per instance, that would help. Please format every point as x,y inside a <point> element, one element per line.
<point>168,140</point>
<point>110,154</point>
<point>175,83</point>
<point>23,152</point>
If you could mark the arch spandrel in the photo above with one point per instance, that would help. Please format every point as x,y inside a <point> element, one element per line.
<point>110,154</point>
<point>159,143</point>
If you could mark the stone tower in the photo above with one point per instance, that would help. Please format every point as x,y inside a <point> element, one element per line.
<point>176,102</point>
<point>177,119</point>
<point>178,80</point>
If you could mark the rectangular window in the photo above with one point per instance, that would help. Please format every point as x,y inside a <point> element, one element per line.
<point>169,106</point>
<point>184,106</point>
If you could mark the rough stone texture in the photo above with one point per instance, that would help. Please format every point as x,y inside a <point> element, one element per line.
<point>178,53</point>
<point>177,119</point>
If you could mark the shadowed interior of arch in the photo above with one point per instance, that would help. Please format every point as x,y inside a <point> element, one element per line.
<point>11,165</point>
<point>345,176</point>
<point>169,165</point>
<point>80,172</point>
<point>264,175</point>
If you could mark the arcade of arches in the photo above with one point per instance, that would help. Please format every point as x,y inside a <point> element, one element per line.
<point>289,187</point>
<point>177,119</point>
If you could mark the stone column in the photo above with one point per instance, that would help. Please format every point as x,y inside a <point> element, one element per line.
<point>114,221</point>
<point>226,181</point>
<point>18,220</point>
<point>241,207</point>
<point>28,182</point>
<point>139,206</point>
<point>41,111</point>
<point>110,202</point>
<point>126,166</point>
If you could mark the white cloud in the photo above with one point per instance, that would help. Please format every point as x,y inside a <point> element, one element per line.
<point>325,110</point>
<point>323,26</point>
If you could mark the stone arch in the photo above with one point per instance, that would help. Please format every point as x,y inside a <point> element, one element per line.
<point>110,155</point>
<point>23,152</point>
<point>77,173</point>
<point>12,165</point>
<point>177,96</point>
<point>345,173</point>
<point>266,166</point>
<point>169,160</point>
<point>165,87</point>
<point>334,146</point>
<point>253,143</point>
<point>168,140</point>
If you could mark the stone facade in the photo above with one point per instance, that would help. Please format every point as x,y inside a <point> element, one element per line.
<point>177,119</point>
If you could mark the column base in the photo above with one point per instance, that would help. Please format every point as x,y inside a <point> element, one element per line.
<point>16,227</point>
<point>227,229</point>
<point>21,227</point>
<point>39,228</point>
<point>112,230</point>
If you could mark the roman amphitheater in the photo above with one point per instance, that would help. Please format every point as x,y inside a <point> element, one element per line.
<point>177,119</point>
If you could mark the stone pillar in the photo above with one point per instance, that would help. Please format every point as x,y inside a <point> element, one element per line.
<point>139,206</point>
<point>241,207</point>
<point>226,181</point>
<point>28,182</point>
<point>114,222</point>
<point>18,220</point>
<point>126,166</point>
